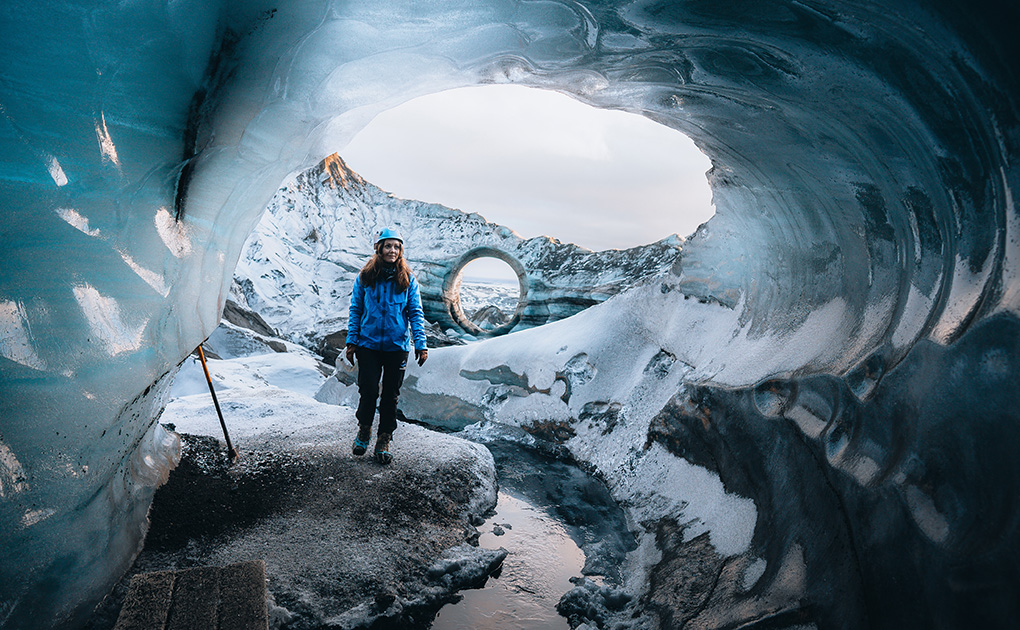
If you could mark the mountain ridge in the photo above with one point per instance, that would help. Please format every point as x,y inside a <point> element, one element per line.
<point>298,266</point>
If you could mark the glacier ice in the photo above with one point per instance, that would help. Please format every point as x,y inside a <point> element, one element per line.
<point>863,259</point>
<point>298,266</point>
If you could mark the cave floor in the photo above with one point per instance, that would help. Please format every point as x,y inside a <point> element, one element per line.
<point>345,541</point>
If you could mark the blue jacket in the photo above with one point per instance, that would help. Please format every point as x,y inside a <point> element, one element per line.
<point>380,316</point>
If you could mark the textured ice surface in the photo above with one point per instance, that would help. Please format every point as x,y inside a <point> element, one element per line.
<point>611,399</point>
<point>864,163</point>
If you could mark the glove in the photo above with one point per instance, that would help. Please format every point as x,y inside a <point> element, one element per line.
<point>421,356</point>
<point>349,351</point>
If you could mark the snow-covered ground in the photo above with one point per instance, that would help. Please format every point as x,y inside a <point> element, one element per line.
<point>268,406</point>
<point>489,303</point>
<point>477,293</point>
<point>259,389</point>
<point>567,373</point>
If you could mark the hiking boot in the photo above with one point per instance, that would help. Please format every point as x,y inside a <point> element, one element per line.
<point>382,448</point>
<point>361,442</point>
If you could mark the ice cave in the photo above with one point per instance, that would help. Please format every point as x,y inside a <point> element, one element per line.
<point>834,353</point>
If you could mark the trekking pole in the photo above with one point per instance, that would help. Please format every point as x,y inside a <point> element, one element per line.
<point>231,451</point>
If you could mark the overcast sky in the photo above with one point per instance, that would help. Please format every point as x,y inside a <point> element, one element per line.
<point>540,163</point>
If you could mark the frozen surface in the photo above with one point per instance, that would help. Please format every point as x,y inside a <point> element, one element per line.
<point>293,371</point>
<point>540,364</point>
<point>864,250</point>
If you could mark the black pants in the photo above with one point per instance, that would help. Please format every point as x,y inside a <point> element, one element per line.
<point>372,364</point>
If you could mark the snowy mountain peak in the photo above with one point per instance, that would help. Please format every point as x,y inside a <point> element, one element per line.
<point>336,174</point>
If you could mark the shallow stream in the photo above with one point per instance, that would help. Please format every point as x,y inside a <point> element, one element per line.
<point>557,522</point>
<point>534,576</point>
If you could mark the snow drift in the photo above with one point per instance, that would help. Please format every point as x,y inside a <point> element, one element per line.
<point>864,251</point>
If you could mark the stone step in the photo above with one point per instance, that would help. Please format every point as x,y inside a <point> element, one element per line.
<point>212,598</point>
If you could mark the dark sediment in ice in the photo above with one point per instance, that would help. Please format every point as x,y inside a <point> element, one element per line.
<point>894,512</point>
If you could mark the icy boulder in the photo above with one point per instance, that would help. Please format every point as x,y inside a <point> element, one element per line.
<point>864,252</point>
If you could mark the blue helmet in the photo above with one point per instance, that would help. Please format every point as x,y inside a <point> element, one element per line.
<point>389,232</point>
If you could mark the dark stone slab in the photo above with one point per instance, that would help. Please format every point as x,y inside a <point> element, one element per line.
<point>243,597</point>
<point>210,598</point>
<point>148,601</point>
<point>196,599</point>
<point>245,318</point>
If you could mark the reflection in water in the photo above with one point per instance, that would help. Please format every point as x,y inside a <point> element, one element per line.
<point>535,574</point>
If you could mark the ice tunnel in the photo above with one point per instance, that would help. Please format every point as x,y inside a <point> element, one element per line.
<point>855,377</point>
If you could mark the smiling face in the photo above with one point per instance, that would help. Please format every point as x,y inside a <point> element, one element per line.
<point>390,250</point>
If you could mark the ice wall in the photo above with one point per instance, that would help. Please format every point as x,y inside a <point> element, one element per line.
<point>864,161</point>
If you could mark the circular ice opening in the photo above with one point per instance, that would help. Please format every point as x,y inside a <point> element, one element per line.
<point>489,292</point>
<point>486,292</point>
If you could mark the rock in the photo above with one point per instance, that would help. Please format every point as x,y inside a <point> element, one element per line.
<point>489,317</point>
<point>588,604</point>
<point>343,539</point>
<point>385,598</point>
<point>466,566</point>
<point>436,337</point>
<point>230,341</point>
<point>246,318</point>
<point>330,346</point>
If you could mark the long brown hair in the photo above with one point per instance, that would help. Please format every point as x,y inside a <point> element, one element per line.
<point>373,269</point>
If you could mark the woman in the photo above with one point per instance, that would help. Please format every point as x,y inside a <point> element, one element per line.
<point>385,301</point>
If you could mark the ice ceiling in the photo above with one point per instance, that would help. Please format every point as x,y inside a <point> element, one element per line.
<point>864,160</point>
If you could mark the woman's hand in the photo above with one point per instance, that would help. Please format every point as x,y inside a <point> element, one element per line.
<point>349,351</point>
<point>421,356</point>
